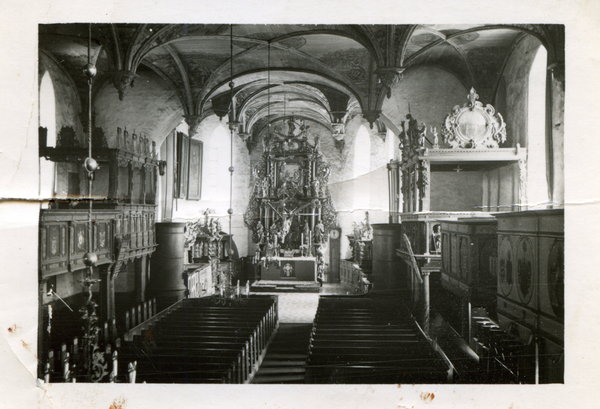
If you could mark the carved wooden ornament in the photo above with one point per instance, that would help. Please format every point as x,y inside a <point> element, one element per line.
<point>474,126</point>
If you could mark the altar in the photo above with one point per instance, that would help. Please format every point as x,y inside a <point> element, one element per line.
<point>289,269</point>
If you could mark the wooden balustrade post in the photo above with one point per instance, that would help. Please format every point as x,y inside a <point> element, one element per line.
<point>115,364</point>
<point>51,360</point>
<point>113,329</point>
<point>47,373</point>
<point>126,321</point>
<point>258,340</point>
<point>139,314</point>
<point>65,363</point>
<point>75,350</point>
<point>253,349</point>
<point>133,323</point>
<point>105,332</point>
<point>248,370</point>
<point>131,371</point>
<point>241,366</point>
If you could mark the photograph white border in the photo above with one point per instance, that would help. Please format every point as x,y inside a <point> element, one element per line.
<point>19,209</point>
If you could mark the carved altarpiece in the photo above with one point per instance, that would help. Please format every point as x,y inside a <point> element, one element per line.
<point>290,209</point>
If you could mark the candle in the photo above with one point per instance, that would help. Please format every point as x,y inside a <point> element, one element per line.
<point>238,288</point>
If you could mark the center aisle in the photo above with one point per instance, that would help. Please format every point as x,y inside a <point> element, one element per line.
<point>285,360</point>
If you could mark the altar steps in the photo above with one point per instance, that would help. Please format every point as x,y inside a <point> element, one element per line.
<point>267,286</point>
<point>285,360</point>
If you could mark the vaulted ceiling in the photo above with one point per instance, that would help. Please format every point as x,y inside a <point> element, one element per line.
<point>325,73</point>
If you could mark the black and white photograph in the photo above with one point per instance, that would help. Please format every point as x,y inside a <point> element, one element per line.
<point>321,209</point>
<point>381,203</point>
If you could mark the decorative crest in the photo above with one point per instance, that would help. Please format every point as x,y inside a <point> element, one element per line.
<point>474,126</point>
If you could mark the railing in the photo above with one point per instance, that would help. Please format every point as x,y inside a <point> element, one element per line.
<point>143,312</point>
<point>421,275</point>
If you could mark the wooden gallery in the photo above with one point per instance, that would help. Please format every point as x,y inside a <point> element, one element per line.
<point>301,204</point>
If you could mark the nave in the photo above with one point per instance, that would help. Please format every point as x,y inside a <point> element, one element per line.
<point>417,167</point>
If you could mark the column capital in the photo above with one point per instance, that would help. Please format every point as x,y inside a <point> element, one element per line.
<point>193,121</point>
<point>389,76</point>
<point>122,80</point>
<point>372,116</point>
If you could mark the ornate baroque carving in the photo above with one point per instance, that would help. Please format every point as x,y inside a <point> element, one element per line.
<point>522,181</point>
<point>122,80</point>
<point>473,125</point>
<point>423,177</point>
<point>389,76</point>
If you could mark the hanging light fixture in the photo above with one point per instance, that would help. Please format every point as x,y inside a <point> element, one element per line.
<point>232,126</point>
<point>92,355</point>
<point>90,259</point>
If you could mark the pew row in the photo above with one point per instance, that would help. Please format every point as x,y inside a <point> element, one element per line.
<point>200,341</point>
<point>367,340</point>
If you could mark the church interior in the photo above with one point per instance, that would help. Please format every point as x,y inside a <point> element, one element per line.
<point>319,204</point>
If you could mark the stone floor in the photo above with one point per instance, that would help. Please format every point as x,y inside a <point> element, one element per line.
<point>301,307</point>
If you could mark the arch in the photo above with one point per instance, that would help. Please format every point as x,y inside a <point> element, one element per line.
<point>218,154</point>
<point>537,169</point>
<point>362,152</point>
<point>47,108</point>
<point>47,119</point>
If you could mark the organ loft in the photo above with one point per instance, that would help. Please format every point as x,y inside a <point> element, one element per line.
<point>302,204</point>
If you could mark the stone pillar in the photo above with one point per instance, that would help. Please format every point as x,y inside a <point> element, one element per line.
<point>107,293</point>
<point>386,265</point>
<point>426,303</point>
<point>166,278</point>
<point>393,187</point>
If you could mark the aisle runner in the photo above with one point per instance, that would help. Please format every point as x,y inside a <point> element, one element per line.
<point>295,307</point>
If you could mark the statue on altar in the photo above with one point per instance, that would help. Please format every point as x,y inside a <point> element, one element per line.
<point>315,187</point>
<point>319,232</point>
<point>259,233</point>
<point>414,133</point>
<point>306,233</point>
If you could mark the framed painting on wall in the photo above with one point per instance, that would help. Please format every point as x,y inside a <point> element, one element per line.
<point>195,175</point>
<point>182,165</point>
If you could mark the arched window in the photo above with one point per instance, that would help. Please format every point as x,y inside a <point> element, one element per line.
<point>218,147</point>
<point>391,144</point>
<point>537,183</point>
<point>47,118</point>
<point>362,152</point>
<point>362,166</point>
